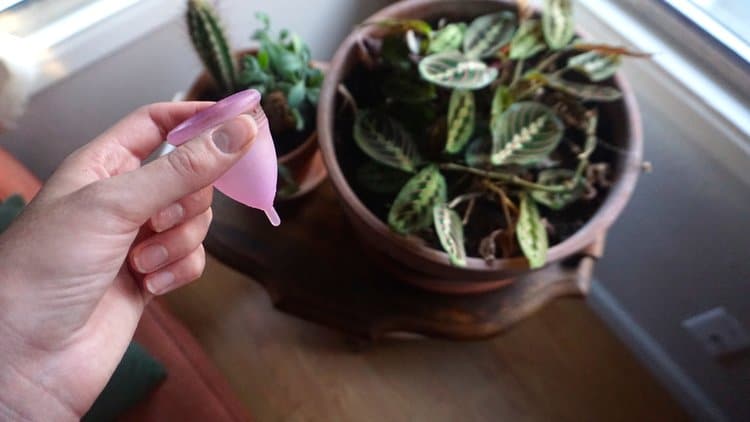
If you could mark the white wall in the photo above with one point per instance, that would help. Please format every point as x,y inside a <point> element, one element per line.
<point>73,111</point>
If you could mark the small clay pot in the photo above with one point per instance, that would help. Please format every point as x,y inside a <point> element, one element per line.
<point>304,161</point>
<point>408,258</point>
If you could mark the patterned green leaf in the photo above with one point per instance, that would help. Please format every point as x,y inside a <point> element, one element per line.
<point>385,140</point>
<point>381,179</point>
<point>557,23</point>
<point>450,231</point>
<point>595,66</point>
<point>478,153</point>
<point>528,41</point>
<point>557,177</point>
<point>489,33</point>
<point>586,92</point>
<point>501,100</point>
<point>461,118</point>
<point>412,209</point>
<point>452,69</point>
<point>525,133</point>
<point>531,234</point>
<point>450,37</point>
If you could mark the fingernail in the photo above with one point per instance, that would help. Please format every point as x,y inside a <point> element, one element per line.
<point>150,258</point>
<point>168,217</point>
<point>233,135</point>
<point>160,282</point>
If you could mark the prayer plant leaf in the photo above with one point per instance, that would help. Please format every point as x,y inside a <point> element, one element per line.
<point>531,233</point>
<point>461,119</point>
<point>487,34</point>
<point>450,231</point>
<point>558,177</point>
<point>501,100</point>
<point>448,38</point>
<point>525,133</point>
<point>557,23</point>
<point>528,41</point>
<point>452,69</point>
<point>597,67</point>
<point>412,209</point>
<point>385,140</point>
<point>478,153</point>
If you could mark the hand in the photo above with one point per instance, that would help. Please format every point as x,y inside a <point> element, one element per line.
<point>102,236</point>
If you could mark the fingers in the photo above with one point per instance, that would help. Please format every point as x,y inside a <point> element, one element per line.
<point>183,210</point>
<point>194,165</point>
<point>162,249</point>
<point>146,128</point>
<point>177,274</point>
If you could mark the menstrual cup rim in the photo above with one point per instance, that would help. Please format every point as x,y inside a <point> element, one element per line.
<point>221,112</point>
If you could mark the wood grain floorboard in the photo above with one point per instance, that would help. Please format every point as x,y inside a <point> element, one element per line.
<point>561,364</point>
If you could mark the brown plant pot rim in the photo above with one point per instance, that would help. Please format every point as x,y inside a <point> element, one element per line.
<point>396,245</point>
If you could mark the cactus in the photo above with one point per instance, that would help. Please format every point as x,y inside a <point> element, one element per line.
<point>211,43</point>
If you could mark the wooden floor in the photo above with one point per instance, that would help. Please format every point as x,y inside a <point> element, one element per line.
<point>562,364</point>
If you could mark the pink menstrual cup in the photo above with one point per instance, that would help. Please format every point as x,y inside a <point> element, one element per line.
<point>252,181</point>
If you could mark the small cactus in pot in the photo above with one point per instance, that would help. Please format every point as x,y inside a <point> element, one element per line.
<point>280,69</point>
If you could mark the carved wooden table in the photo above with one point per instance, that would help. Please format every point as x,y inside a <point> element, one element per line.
<point>313,267</point>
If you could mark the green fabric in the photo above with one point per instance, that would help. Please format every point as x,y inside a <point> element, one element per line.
<point>9,209</point>
<point>137,374</point>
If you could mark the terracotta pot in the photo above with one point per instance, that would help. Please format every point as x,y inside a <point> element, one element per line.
<point>304,161</point>
<point>16,179</point>
<point>407,257</point>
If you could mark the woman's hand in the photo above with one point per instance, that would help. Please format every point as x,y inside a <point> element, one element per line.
<point>102,236</point>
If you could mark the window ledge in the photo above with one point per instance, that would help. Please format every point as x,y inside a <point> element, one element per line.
<point>93,32</point>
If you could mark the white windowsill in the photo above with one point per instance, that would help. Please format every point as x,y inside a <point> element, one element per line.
<point>93,32</point>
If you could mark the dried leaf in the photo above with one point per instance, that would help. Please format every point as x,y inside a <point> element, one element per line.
<point>557,23</point>
<point>531,234</point>
<point>461,117</point>
<point>448,38</point>
<point>385,140</point>
<point>451,69</point>
<point>412,209</point>
<point>597,67</point>
<point>450,231</point>
<point>610,49</point>
<point>488,33</point>
<point>586,92</point>
<point>525,133</point>
<point>528,41</point>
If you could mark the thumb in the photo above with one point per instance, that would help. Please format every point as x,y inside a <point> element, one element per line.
<point>189,168</point>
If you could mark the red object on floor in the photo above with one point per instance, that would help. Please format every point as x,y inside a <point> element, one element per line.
<point>194,388</point>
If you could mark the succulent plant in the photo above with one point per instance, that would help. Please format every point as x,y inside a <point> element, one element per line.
<point>501,109</point>
<point>280,70</point>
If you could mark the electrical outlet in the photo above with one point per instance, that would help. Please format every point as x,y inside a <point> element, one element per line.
<point>719,332</point>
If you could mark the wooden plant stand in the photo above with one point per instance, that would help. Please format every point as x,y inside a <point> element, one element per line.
<point>313,267</point>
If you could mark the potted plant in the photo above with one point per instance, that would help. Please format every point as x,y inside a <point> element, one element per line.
<point>281,69</point>
<point>480,140</point>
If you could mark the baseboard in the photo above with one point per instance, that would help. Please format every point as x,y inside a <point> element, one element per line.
<point>653,356</point>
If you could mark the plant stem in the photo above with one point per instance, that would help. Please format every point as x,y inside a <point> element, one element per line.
<point>503,177</point>
<point>518,71</point>
<point>463,198</point>
<point>548,61</point>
